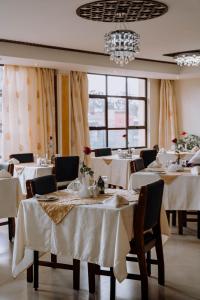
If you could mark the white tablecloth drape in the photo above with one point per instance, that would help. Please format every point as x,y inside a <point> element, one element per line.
<point>91,233</point>
<point>117,169</point>
<point>28,171</point>
<point>10,195</point>
<point>172,156</point>
<point>183,193</point>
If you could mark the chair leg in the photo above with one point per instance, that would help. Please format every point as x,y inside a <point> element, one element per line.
<point>180,222</point>
<point>29,274</point>
<point>198,224</point>
<point>160,258</point>
<point>36,269</point>
<point>173,218</point>
<point>76,274</point>
<point>11,228</point>
<point>91,277</point>
<point>168,216</point>
<point>143,273</point>
<point>149,263</point>
<point>112,285</point>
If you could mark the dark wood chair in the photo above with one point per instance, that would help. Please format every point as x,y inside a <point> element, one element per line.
<point>147,234</point>
<point>137,165</point>
<point>148,156</point>
<point>185,216</point>
<point>23,157</point>
<point>44,185</point>
<point>102,152</point>
<point>66,169</point>
<point>11,221</point>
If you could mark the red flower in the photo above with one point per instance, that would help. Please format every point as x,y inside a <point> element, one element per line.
<point>124,135</point>
<point>183,133</point>
<point>87,150</point>
<point>174,141</point>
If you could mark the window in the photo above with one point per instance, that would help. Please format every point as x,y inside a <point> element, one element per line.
<point>1,83</point>
<point>117,111</point>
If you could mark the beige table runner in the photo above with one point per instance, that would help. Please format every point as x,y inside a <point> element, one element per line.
<point>58,209</point>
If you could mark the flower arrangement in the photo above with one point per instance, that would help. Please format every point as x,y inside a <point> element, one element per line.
<point>85,170</point>
<point>186,142</point>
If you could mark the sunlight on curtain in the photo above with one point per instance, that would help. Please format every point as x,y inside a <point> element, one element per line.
<point>28,110</point>
<point>168,125</point>
<point>79,113</point>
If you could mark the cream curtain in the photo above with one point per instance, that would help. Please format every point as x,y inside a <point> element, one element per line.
<point>79,114</point>
<point>28,110</point>
<point>168,126</point>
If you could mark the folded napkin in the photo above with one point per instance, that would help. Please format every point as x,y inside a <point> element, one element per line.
<point>116,201</point>
<point>14,161</point>
<point>5,174</point>
<point>155,164</point>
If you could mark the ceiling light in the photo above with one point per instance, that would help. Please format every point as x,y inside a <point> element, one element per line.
<point>188,59</point>
<point>122,45</point>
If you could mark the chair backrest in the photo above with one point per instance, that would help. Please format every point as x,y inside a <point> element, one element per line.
<point>8,167</point>
<point>148,156</point>
<point>23,157</point>
<point>66,168</point>
<point>102,152</point>
<point>147,210</point>
<point>137,165</point>
<point>41,185</point>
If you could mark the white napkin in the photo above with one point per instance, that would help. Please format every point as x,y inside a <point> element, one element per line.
<point>14,161</point>
<point>195,158</point>
<point>116,201</point>
<point>5,174</point>
<point>155,164</point>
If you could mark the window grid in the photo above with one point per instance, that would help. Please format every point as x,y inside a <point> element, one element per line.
<point>127,98</point>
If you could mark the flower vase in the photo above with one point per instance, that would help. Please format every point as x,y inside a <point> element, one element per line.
<point>84,191</point>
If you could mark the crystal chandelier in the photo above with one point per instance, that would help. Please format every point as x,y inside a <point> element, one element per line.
<point>121,45</point>
<point>188,59</point>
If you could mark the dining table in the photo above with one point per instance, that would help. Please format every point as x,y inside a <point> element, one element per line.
<point>166,157</point>
<point>116,169</point>
<point>95,230</point>
<point>10,197</point>
<point>27,171</point>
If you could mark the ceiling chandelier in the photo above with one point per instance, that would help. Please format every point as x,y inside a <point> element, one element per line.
<point>121,45</point>
<point>189,59</point>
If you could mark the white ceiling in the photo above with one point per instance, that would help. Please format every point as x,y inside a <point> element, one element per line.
<point>55,23</point>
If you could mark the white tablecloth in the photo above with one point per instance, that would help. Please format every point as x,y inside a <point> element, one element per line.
<point>171,155</point>
<point>183,193</point>
<point>10,195</point>
<point>29,171</point>
<point>117,169</point>
<point>92,233</point>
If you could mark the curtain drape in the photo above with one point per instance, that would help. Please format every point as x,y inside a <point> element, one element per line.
<point>79,114</point>
<point>168,125</point>
<point>28,110</point>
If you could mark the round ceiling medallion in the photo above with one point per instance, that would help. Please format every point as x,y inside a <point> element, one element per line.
<point>122,10</point>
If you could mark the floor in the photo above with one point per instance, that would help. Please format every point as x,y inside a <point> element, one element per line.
<point>182,263</point>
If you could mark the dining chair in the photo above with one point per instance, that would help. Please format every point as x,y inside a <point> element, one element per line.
<point>102,152</point>
<point>147,235</point>
<point>66,169</point>
<point>148,156</point>
<point>11,221</point>
<point>137,165</point>
<point>44,185</point>
<point>23,157</point>
<point>185,216</point>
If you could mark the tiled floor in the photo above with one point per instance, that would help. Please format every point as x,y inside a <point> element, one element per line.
<point>182,262</point>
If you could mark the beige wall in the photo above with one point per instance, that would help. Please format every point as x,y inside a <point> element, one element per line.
<point>188,104</point>
<point>153,111</point>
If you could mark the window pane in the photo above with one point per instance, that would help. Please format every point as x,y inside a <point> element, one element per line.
<point>136,112</point>
<point>116,112</point>
<point>136,137</point>
<point>116,86</point>
<point>96,114</point>
<point>116,139</point>
<point>96,84</point>
<point>136,87</point>
<point>97,139</point>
